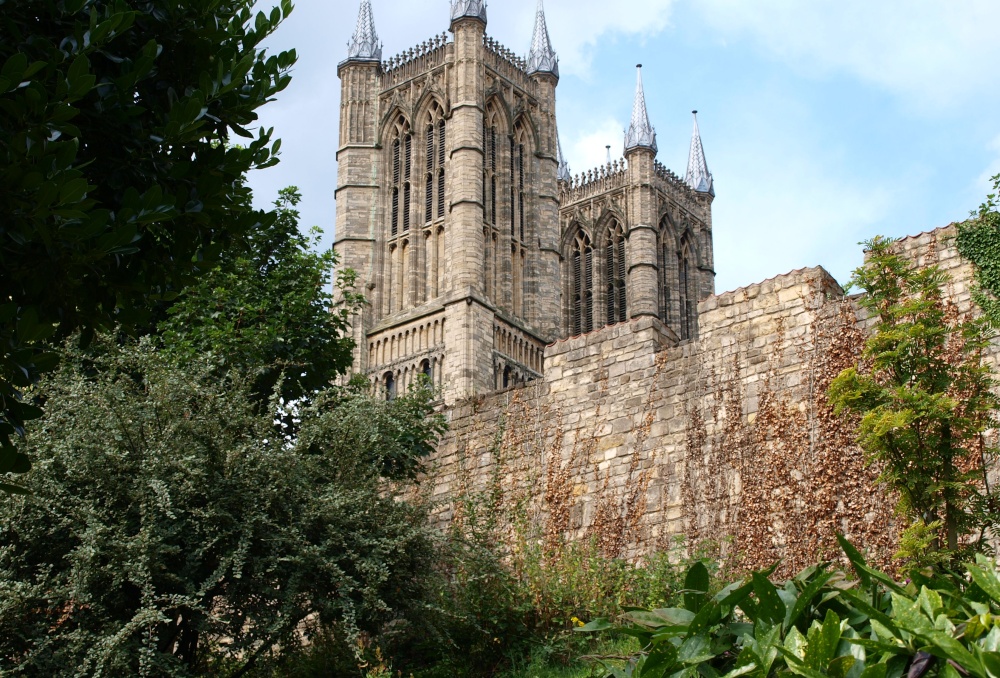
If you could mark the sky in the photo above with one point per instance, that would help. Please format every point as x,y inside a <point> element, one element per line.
<point>824,122</point>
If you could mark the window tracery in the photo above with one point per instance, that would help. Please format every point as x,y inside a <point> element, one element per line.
<point>614,272</point>
<point>581,263</point>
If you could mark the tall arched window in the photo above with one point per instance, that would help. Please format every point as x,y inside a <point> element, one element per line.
<point>519,170</point>
<point>667,263</point>
<point>497,263</point>
<point>614,272</point>
<point>428,256</point>
<point>581,274</point>
<point>399,172</point>
<point>686,288</point>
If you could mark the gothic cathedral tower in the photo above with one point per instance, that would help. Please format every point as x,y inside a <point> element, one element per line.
<point>472,243</point>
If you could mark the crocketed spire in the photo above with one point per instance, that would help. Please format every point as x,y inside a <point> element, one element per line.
<point>542,58</point>
<point>364,45</point>
<point>698,177</point>
<point>564,174</point>
<point>640,133</point>
<point>473,8</point>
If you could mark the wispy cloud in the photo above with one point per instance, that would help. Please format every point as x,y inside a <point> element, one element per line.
<point>938,55</point>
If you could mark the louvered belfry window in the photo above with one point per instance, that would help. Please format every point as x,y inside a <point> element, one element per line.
<point>429,177</point>
<point>395,187</point>
<point>581,285</point>
<point>614,265</point>
<point>686,289</point>
<point>434,164</point>
<point>440,193</point>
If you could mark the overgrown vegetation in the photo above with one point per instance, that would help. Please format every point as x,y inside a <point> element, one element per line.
<point>171,529</point>
<point>821,623</point>
<point>924,399</point>
<point>979,242</point>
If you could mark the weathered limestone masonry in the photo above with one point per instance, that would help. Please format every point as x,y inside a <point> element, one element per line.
<point>632,438</point>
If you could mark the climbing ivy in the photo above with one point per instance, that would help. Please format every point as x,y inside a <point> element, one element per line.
<point>979,242</point>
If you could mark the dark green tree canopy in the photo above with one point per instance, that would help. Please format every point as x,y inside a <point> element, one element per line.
<point>267,310</point>
<point>119,184</point>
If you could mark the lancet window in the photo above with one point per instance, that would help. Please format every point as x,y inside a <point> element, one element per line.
<point>687,289</point>
<point>497,254</point>
<point>614,273</point>
<point>429,258</point>
<point>581,278</point>
<point>398,267</point>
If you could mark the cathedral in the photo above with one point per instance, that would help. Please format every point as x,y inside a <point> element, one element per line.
<point>472,242</point>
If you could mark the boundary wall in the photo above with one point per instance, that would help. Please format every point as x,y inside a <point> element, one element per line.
<point>632,439</point>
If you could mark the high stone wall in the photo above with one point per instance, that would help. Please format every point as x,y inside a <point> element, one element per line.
<point>631,439</point>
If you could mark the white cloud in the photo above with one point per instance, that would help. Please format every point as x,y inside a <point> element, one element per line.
<point>587,149</point>
<point>936,54</point>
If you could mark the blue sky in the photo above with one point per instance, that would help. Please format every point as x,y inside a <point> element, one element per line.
<point>824,122</point>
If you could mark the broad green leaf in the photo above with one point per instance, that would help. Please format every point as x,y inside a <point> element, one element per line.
<point>696,587</point>
<point>987,581</point>
<point>695,649</point>
<point>806,597</point>
<point>770,606</point>
<point>874,671</point>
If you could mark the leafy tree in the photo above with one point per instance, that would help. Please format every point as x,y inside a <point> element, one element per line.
<point>266,311</point>
<point>979,242</point>
<point>924,398</point>
<point>171,530</point>
<point>118,181</point>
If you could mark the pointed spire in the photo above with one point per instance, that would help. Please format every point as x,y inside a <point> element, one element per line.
<point>698,177</point>
<point>564,174</point>
<point>473,8</point>
<point>640,133</point>
<point>364,44</point>
<point>542,58</point>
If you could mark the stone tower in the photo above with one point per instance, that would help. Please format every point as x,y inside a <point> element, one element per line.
<point>471,241</point>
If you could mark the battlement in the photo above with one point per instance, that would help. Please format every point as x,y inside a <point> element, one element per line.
<point>598,180</point>
<point>420,58</point>
<point>506,63</point>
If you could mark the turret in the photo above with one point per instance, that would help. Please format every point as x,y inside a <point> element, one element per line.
<point>542,58</point>
<point>640,134</point>
<point>640,151</point>
<point>698,177</point>
<point>357,158</point>
<point>475,9</point>
<point>543,67</point>
<point>364,44</point>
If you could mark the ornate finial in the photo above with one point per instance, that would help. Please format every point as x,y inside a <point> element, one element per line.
<point>563,171</point>
<point>473,8</point>
<point>364,45</point>
<point>640,133</point>
<point>698,177</point>
<point>542,58</point>
<point>608,149</point>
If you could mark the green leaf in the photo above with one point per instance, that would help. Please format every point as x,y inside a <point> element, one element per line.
<point>874,671</point>
<point>771,607</point>
<point>805,598</point>
<point>987,581</point>
<point>695,649</point>
<point>696,587</point>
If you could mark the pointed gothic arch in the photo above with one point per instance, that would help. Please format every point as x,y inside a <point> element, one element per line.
<point>666,259</point>
<point>580,282</point>
<point>687,287</point>
<point>399,176</point>
<point>613,271</point>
